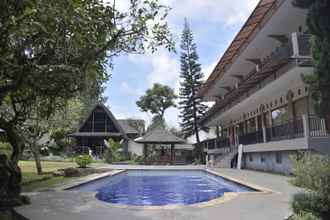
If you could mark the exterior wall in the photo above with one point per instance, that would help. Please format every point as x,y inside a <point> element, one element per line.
<point>283,145</point>
<point>269,164</point>
<point>135,148</point>
<point>320,144</point>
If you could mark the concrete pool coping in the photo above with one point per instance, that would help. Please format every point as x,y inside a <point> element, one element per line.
<point>226,197</point>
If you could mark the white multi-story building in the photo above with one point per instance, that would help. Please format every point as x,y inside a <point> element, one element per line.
<point>261,99</point>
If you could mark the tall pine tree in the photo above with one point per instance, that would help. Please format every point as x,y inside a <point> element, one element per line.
<point>191,106</point>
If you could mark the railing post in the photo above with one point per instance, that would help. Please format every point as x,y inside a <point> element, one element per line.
<point>240,156</point>
<point>306,125</point>
<point>295,45</point>
<point>264,134</point>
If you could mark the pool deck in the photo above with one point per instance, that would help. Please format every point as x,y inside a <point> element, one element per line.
<point>70,205</point>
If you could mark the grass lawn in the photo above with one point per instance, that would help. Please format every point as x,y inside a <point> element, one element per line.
<point>32,181</point>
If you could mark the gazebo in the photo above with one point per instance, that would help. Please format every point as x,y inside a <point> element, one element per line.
<point>159,146</point>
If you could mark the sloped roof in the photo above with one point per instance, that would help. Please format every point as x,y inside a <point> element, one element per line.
<point>128,129</point>
<point>160,135</point>
<point>239,42</point>
<point>111,116</point>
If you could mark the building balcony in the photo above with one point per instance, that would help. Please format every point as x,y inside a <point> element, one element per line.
<point>306,133</point>
<point>295,52</point>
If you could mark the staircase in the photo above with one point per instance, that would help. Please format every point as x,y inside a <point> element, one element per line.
<point>224,161</point>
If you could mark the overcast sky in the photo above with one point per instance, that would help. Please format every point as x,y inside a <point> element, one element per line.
<point>214,24</point>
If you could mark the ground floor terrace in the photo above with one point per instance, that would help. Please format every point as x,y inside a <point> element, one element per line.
<point>275,205</point>
<point>269,147</point>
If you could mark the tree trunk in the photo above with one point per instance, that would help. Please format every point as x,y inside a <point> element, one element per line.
<point>36,156</point>
<point>10,173</point>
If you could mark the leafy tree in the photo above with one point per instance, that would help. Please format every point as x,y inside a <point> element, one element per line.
<point>138,124</point>
<point>190,104</point>
<point>312,172</point>
<point>157,122</point>
<point>51,50</point>
<point>318,21</point>
<point>157,100</point>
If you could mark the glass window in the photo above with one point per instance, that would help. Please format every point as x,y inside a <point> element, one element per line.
<point>251,125</point>
<point>280,116</point>
<point>262,158</point>
<point>278,157</point>
<point>250,158</point>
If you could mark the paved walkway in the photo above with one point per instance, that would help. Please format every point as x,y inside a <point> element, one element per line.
<point>83,206</point>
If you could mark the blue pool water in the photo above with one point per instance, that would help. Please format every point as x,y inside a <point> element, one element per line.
<point>159,187</point>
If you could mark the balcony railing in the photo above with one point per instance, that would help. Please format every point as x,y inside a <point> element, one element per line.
<point>216,143</point>
<point>318,127</point>
<point>290,130</point>
<point>251,138</point>
<point>222,142</point>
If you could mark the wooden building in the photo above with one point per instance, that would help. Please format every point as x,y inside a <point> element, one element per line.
<point>101,125</point>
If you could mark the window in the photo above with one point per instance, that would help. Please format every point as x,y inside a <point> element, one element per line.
<point>250,158</point>
<point>278,157</point>
<point>262,158</point>
<point>280,116</point>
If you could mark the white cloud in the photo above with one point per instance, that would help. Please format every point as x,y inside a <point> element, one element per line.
<point>129,90</point>
<point>228,12</point>
<point>165,68</point>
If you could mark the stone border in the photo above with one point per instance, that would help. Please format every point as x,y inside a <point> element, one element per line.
<point>225,198</point>
<point>87,179</point>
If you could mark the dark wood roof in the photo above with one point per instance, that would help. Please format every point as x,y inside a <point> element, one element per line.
<point>116,131</point>
<point>160,135</point>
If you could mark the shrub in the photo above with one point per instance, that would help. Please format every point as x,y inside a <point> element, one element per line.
<point>84,160</point>
<point>108,155</point>
<point>312,172</point>
<point>111,153</point>
<point>304,216</point>
<point>307,203</point>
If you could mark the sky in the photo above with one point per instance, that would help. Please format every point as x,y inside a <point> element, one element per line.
<point>214,24</point>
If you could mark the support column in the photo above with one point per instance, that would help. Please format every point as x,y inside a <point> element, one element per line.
<point>306,126</point>
<point>172,154</point>
<point>240,157</point>
<point>145,151</point>
<point>264,131</point>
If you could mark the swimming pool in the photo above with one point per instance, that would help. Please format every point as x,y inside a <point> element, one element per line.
<point>160,187</point>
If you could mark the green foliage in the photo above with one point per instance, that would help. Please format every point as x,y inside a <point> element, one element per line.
<point>304,216</point>
<point>111,154</point>
<point>312,172</point>
<point>157,122</point>
<point>191,105</point>
<point>5,148</point>
<point>308,203</point>
<point>84,160</point>
<point>157,100</point>
<point>54,51</point>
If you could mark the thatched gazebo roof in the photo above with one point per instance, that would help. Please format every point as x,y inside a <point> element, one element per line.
<point>160,135</point>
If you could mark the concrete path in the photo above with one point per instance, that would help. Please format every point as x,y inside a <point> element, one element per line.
<point>83,206</point>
